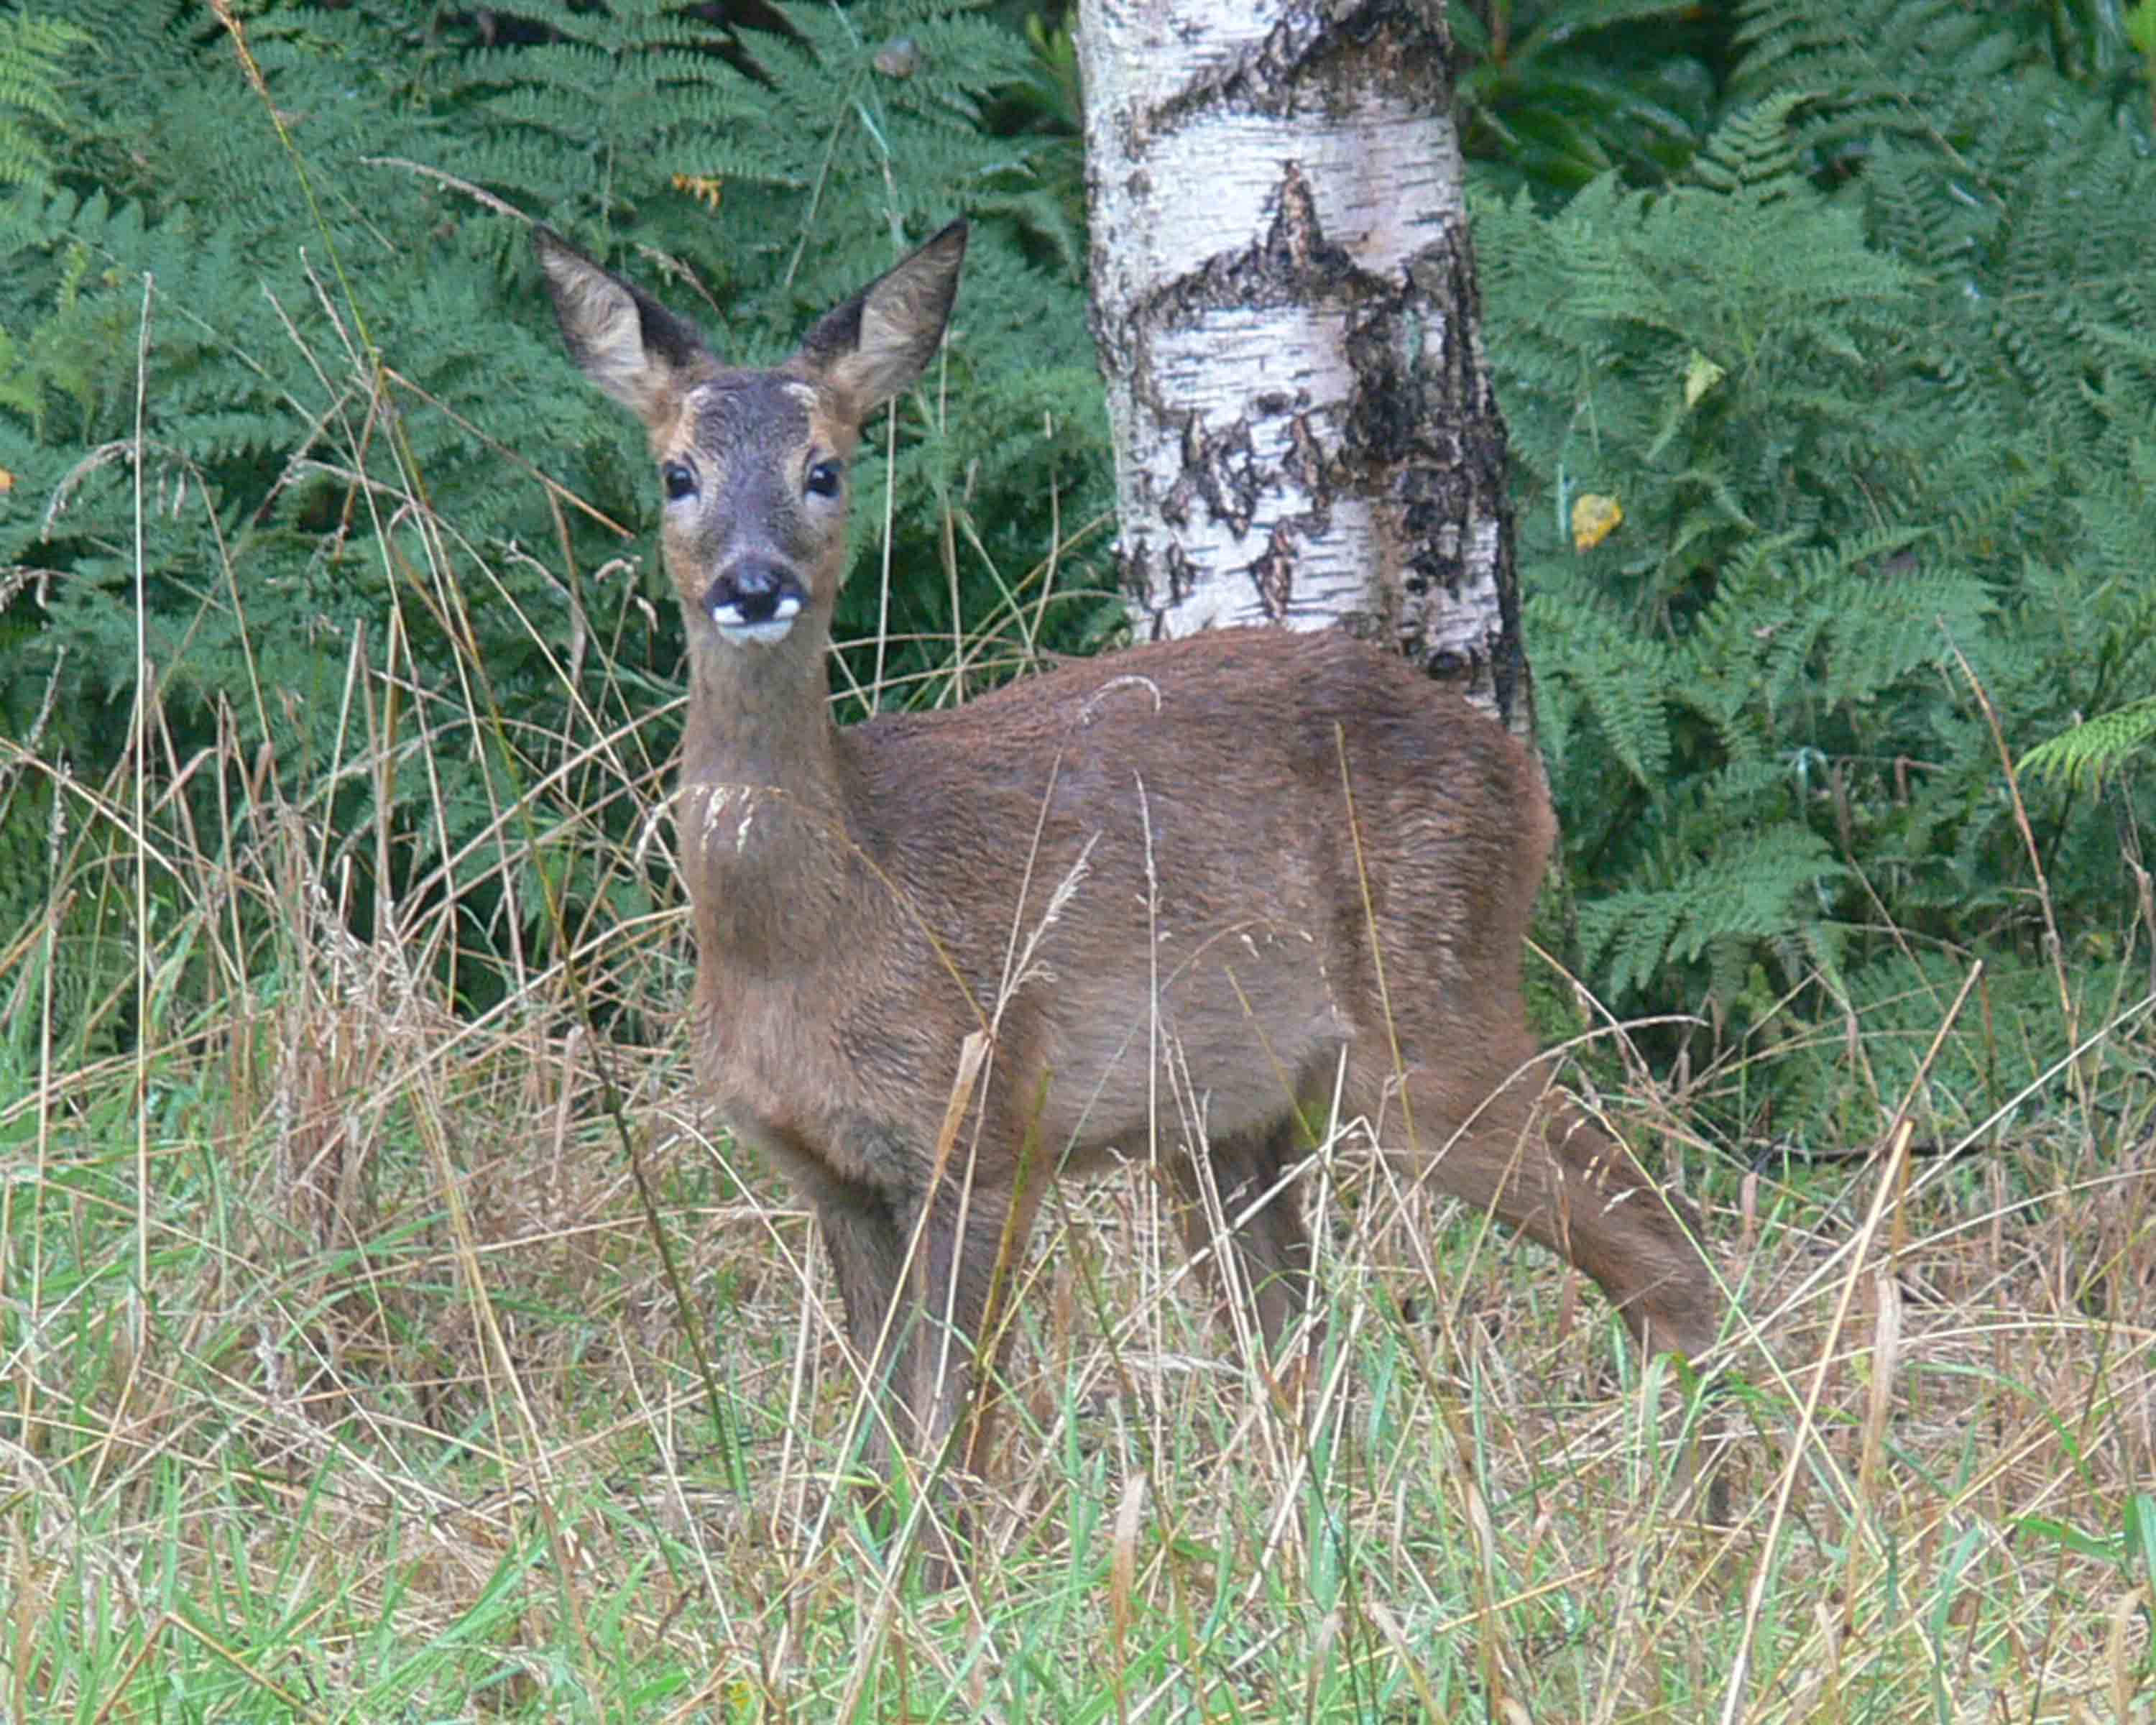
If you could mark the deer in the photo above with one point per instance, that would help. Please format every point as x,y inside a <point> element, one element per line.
<point>943,959</point>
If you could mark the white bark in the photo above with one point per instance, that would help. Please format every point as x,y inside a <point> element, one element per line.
<point>1284,301</point>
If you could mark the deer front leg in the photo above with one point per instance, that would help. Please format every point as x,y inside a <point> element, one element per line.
<point>867,1251</point>
<point>972,1244</point>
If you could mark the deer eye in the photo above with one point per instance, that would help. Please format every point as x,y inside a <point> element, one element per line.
<point>822,481</point>
<point>679,479</point>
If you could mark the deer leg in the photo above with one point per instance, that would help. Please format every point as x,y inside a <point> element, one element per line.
<point>1639,1240</point>
<point>867,1253</point>
<point>972,1246</point>
<point>1642,1243</point>
<point>1566,1183</point>
<point>975,1241</point>
<point>1270,1243</point>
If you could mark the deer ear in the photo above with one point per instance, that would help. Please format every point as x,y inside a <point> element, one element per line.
<point>883,338</point>
<point>628,344</point>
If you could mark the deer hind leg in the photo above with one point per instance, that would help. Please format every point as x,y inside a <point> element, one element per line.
<point>1557,1176</point>
<point>1254,1214</point>
<point>1562,1181</point>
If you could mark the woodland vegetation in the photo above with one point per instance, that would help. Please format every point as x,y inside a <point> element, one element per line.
<point>382,1333</point>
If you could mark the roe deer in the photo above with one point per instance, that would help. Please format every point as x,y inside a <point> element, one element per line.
<point>1274,860</point>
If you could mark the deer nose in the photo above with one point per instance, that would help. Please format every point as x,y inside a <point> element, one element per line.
<point>755,591</point>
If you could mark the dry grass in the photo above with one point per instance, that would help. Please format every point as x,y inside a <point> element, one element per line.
<point>345,1380</point>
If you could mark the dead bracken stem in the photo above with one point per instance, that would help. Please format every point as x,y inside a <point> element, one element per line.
<point>2055,949</point>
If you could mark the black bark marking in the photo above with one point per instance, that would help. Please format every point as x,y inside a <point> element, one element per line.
<point>1315,49</point>
<point>1220,467</point>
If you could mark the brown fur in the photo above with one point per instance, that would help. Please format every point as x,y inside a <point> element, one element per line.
<point>863,897</point>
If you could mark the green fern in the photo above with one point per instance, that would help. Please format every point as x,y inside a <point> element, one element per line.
<point>2095,747</point>
<point>33,52</point>
<point>1752,890</point>
<point>1873,387</point>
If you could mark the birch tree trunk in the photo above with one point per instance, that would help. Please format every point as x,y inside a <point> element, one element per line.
<point>1284,299</point>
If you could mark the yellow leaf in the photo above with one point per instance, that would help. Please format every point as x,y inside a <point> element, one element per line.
<point>1593,519</point>
<point>705,188</point>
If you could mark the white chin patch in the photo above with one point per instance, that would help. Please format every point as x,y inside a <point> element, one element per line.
<point>773,628</point>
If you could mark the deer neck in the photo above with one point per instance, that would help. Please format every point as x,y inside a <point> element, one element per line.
<point>762,813</point>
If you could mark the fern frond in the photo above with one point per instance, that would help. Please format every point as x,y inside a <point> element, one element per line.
<point>2095,746</point>
<point>32,49</point>
<point>1764,887</point>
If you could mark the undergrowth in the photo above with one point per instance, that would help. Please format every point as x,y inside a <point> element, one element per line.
<point>1864,402</point>
<point>345,1379</point>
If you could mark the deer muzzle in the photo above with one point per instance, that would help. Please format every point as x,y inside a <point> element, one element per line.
<point>755,601</point>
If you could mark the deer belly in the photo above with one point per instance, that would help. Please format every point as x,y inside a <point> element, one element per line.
<point>1237,1027</point>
